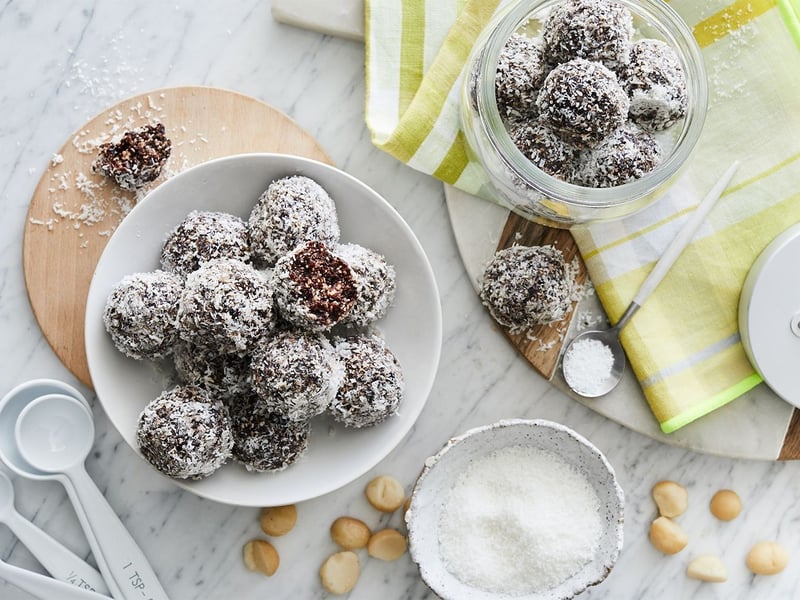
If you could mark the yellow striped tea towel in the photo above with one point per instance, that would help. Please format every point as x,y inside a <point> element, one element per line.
<point>683,344</point>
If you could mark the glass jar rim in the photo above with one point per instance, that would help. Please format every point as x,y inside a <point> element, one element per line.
<point>672,27</point>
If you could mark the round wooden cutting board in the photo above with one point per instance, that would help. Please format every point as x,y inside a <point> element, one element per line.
<point>73,212</point>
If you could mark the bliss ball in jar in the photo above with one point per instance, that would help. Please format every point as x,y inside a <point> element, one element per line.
<point>203,236</point>
<point>523,286</point>
<point>291,211</point>
<point>140,314</point>
<point>583,101</point>
<point>545,149</point>
<point>627,154</point>
<point>520,71</point>
<point>656,84</point>
<point>597,30</point>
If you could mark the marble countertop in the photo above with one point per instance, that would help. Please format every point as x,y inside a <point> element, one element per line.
<point>63,62</point>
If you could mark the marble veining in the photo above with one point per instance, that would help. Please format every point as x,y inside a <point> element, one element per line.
<point>63,62</point>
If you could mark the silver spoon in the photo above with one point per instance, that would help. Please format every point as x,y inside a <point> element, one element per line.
<point>59,561</point>
<point>610,337</point>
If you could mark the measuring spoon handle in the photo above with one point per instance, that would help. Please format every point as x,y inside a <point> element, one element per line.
<point>125,561</point>
<point>44,587</point>
<point>59,561</point>
<point>684,236</point>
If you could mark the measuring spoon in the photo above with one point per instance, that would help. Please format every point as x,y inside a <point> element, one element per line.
<point>59,561</point>
<point>44,587</point>
<point>610,337</point>
<point>11,406</point>
<point>54,434</point>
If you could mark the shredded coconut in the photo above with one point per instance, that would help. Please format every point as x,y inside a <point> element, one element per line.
<point>518,521</point>
<point>587,366</point>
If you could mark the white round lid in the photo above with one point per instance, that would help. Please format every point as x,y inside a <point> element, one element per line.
<point>769,315</point>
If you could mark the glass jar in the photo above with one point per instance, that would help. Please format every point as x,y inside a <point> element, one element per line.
<point>529,191</point>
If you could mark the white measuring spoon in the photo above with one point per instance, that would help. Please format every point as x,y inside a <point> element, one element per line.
<point>11,406</point>
<point>44,587</point>
<point>59,561</point>
<point>610,337</point>
<point>54,433</point>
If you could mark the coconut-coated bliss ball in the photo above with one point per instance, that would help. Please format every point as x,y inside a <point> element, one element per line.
<point>203,236</point>
<point>656,85</point>
<point>136,159</point>
<point>265,441</point>
<point>519,76</point>
<point>226,376</point>
<point>583,101</point>
<point>627,154</point>
<point>597,30</point>
<point>226,305</point>
<point>184,433</point>
<point>295,374</point>
<point>291,211</point>
<point>525,286</point>
<point>313,288</point>
<point>373,384</point>
<point>375,283</point>
<point>545,149</point>
<point>140,314</point>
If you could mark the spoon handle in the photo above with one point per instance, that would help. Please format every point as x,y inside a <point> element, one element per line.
<point>118,555</point>
<point>59,561</point>
<point>44,587</point>
<point>684,236</point>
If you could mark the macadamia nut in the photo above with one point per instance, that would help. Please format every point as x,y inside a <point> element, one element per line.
<point>707,568</point>
<point>339,573</point>
<point>350,533</point>
<point>261,556</point>
<point>278,520</point>
<point>667,536</point>
<point>726,505</point>
<point>385,493</point>
<point>767,558</point>
<point>387,544</point>
<point>671,498</point>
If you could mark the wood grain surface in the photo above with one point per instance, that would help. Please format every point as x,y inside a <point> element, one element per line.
<point>791,441</point>
<point>541,345</point>
<point>73,212</point>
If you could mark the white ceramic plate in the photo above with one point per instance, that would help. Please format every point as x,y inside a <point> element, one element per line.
<point>412,327</point>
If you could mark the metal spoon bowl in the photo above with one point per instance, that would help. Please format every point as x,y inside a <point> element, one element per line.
<point>610,339</point>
